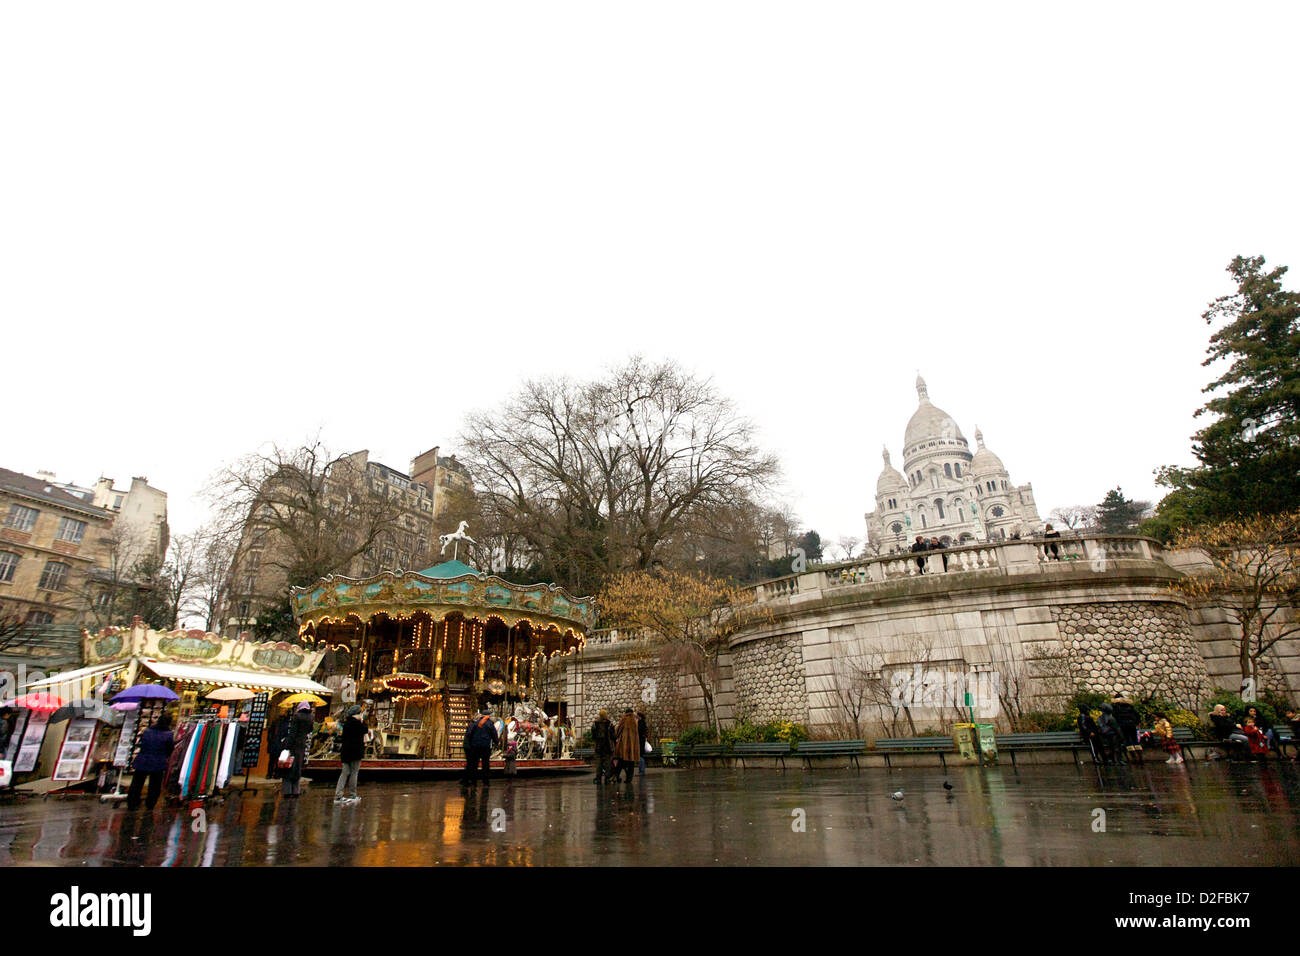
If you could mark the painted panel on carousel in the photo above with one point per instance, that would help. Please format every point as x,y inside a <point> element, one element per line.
<point>189,646</point>
<point>280,657</point>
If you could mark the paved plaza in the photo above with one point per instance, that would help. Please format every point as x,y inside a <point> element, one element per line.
<point>1212,814</point>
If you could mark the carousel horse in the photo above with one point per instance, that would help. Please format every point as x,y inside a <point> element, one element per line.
<point>455,536</point>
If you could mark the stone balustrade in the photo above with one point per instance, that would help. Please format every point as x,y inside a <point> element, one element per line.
<point>1026,556</point>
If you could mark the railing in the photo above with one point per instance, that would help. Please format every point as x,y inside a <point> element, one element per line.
<point>1098,552</point>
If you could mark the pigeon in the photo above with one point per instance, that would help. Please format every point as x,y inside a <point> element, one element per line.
<point>947,785</point>
<point>896,795</point>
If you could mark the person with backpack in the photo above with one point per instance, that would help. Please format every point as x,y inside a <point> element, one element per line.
<point>480,736</point>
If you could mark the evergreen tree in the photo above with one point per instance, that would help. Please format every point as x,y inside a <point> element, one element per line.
<point>1250,454</point>
<point>1117,514</point>
<point>811,542</point>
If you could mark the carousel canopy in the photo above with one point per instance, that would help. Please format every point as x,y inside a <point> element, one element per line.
<point>448,569</point>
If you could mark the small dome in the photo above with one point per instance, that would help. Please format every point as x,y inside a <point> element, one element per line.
<point>984,462</point>
<point>890,478</point>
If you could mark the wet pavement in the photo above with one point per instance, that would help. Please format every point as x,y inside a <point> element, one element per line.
<point>1210,814</point>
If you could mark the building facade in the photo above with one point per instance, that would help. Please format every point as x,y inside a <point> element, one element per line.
<point>141,516</point>
<point>258,579</point>
<point>51,543</point>
<point>945,490</point>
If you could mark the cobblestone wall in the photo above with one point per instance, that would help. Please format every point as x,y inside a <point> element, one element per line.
<point>1136,647</point>
<point>769,679</point>
<point>613,690</point>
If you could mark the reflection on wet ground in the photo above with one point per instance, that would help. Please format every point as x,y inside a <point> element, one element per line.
<point>1212,814</point>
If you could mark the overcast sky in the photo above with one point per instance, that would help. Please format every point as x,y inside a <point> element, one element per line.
<point>251,221</point>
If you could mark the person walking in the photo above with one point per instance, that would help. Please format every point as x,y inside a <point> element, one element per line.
<point>602,744</point>
<point>150,763</point>
<point>352,748</point>
<point>643,731</point>
<point>480,736</point>
<point>919,548</point>
<point>296,737</point>
<point>627,745</point>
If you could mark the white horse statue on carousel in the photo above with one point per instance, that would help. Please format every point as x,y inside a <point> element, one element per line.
<point>455,538</point>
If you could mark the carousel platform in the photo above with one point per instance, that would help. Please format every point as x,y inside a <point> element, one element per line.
<point>415,769</point>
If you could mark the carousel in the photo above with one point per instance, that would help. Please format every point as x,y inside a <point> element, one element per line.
<point>425,650</point>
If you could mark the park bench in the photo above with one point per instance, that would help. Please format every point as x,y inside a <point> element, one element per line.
<point>714,752</point>
<point>1284,738</point>
<point>779,750</point>
<point>914,745</point>
<point>830,748</point>
<point>584,753</point>
<point>1042,740</point>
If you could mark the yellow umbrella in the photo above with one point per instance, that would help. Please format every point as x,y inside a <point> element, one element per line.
<point>231,693</point>
<point>309,698</point>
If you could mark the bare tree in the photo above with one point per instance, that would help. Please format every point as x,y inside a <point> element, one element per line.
<point>316,509</point>
<point>1076,518</point>
<point>847,545</point>
<point>604,476</point>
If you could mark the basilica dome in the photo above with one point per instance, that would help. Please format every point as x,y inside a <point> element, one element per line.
<point>984,462</point>
<point>929,423</point>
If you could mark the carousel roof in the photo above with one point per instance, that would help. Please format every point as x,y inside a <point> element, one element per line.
<point>451,587</point>
<point>448,569</point>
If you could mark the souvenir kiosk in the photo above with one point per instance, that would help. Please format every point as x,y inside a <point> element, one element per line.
<point>429,648</point>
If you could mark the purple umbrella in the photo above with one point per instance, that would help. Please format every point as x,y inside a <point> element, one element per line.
<point>146,692</point>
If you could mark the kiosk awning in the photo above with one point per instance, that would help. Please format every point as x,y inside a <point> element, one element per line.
<point>254,680</point>
<point>68,677</point>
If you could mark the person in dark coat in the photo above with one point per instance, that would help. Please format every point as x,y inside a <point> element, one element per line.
<point>1126,716</point>
<point>352,748</point>
<point>296,737</point>
<point>150,763</point>
<point>480,736</point>
<point>643,731</point>
<point>1111,735</point>
<point>1050,539</point>
<point>1090,732</point>
<point>274,744</point>
<point>920,547</point>
<point>602,743</point>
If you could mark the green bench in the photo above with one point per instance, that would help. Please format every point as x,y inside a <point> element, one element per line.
<point>584,753</point>
<point>1042,740</point>
<point>779,750</point>
<point>698,752</point>
<point>831,748</point>
<point>914,745</point>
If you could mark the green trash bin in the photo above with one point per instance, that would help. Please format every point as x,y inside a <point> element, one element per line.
<point>964,739</point>
<point>988,743</point>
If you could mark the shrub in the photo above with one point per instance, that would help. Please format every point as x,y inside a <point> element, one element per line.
<point>1046,721</point>
<point>696,735</point>
<point>787,731</point>
<point>742,733</point>
<point>933,732</point>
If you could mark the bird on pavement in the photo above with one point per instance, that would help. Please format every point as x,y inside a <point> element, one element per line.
<point>947,785</point>
<point>896,795</point>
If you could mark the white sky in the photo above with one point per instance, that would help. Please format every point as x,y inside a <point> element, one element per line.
<point>249,221</point>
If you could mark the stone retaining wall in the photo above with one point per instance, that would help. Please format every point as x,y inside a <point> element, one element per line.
<point>769,680</point>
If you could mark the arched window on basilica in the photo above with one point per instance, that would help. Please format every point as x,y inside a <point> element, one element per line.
<point>947,469</point>
<point>938,506</point>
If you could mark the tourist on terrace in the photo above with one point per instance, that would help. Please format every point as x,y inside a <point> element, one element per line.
<point>937,545</point>
<point>1051,545</point>
<point>920,548</point>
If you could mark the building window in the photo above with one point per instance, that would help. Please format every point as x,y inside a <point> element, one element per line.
<point>896,528</point>
<point>54,576</point>
<point>21,518</point>
<point>938,505</point>
<point>102,599</point>
<point>244,608</point>
<point>957,470</point>
<point>947,469</point>
<point>39,618</point>
<point>998,512</point>
<point>117,502</point>
<point>8,564</point>
<point>71,530</point>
